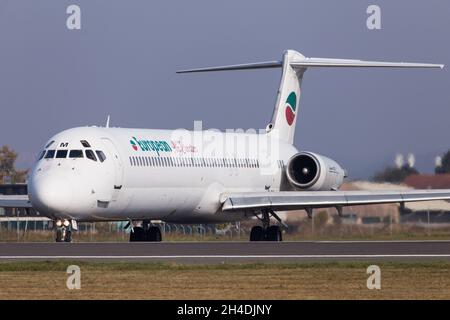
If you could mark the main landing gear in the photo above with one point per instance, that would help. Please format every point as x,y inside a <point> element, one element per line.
<point>63,230</point>
<point>145,233</point>
<point>266,232</point>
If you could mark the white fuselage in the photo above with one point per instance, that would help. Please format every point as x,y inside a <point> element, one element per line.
<point>153,174</point>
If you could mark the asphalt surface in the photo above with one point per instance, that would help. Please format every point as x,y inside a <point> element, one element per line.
<point>219,252</point>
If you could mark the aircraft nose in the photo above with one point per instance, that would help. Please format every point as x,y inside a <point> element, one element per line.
<point>50,193</point>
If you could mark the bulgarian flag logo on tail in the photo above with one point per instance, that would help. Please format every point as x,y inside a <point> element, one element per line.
<point>291,104</point>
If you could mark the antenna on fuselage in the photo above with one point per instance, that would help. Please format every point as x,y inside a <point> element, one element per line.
<point>107,121</point>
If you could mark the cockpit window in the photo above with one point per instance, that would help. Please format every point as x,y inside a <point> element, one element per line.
<point>101,156</point>
<point>76,154</point>
<point>41,155</point>
<point>50,154</point>
<point>85,143</point>
<point>61,154</point>
<point>49,144</point>
<point>90,155</point>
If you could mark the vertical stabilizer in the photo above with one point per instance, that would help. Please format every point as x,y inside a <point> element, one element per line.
<point>287,107</point>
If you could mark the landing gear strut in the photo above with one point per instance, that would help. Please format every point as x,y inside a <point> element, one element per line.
<point>63,231</point>
<point>266,232</point>
<point>146,233</point>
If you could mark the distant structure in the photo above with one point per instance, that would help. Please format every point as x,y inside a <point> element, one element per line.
<point>436,211</point>
<point>438,162</point>
<point>411,160</point>
<point>399,160</point>
<point>428,181</point>
<point>15,189</point>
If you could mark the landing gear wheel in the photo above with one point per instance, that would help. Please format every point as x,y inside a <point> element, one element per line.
<point>137,234</point>
<point>154,234</point>
<point>63,231</point>
<point>257,234</point>
<point>68,237</point>
<point>59,235</point>
<point>273,233</point>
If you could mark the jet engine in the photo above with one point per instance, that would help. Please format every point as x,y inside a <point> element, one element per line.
<point>310,171</point>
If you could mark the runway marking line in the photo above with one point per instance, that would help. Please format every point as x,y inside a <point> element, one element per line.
<point>239,256</point>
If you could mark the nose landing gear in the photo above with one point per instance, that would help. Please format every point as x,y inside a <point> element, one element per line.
<point>266,232</point>
<point>63,230</point>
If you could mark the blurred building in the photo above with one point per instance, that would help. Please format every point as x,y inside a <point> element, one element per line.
<point>413,212</point>
<point>431,211</point>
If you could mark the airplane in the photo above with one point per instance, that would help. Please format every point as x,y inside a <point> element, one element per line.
<point>204,176</point>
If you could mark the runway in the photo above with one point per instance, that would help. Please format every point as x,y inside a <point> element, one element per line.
<point>220,252</point>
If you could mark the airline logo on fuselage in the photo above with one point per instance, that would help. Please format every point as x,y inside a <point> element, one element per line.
<point>150,145</point>
<point>291,104</point>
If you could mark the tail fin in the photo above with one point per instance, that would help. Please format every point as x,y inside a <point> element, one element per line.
<point>294,65</point>
<point>288,97</point>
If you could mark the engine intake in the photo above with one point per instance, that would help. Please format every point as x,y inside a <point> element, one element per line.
<point>310,171</point>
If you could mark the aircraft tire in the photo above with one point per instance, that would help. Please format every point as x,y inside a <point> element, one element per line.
<point>138,234</point>
<point>154,234</point>
<point>257,233</point>
<point>274,234</point>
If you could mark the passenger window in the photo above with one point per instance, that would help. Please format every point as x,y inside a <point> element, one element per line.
<point>76,154</point>
<point>101,156</point>
<point>90,155</point>
<point>50,154</point>
<point>85,144</point>
<point>41,155</point>
<point>61,154</point>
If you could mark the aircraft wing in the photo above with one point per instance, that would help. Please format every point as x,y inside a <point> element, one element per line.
<point>14,201</point>
<point>296,200</point>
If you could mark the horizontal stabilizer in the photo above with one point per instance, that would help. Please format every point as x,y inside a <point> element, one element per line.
<point>246,66</point>
<point>324,62</point>
<point>317,62</point>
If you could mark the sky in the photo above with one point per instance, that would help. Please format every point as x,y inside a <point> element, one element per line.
<point>122,62</point>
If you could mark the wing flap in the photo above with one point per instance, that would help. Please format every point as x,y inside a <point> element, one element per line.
<point>296,200</point>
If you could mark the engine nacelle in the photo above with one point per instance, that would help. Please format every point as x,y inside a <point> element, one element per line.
<point>310,171</point>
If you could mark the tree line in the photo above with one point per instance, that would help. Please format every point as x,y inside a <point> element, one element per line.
<point>8,171</point>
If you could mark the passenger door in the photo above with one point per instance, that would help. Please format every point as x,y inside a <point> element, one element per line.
<point>114,155</point>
